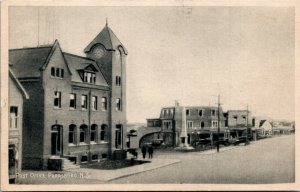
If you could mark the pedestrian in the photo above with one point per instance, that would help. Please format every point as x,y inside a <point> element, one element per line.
<point>150,151</point>
<point>144,151</point>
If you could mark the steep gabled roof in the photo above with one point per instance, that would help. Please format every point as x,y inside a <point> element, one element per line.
<point>77,63</point>
<point>262,122</point>
<point>108,39</point>
<point>26,62</point>
<point>18,84</point>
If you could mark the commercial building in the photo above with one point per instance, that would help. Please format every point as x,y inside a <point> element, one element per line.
<point>239,123</point>
<point>77,105</point>
<point>188,124</point>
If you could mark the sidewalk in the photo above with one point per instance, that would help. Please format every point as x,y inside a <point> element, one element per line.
<point>213,151</point>
<point>108,175</point>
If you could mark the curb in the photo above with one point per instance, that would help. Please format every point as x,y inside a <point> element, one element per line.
<point>149,169</point>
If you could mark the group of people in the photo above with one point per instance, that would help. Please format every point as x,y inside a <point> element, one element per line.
<point>150,151</point>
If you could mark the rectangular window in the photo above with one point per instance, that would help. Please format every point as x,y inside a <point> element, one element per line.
<point>89,77</point>
<point>85,77</point>
<point>200,112</point>
<point>95,102</point>
<point>213,112</point>
<point>57,72</point>
<point>118,104</point>
<point>52,71</point>
<point>118,136</point>
<point>167,124</point>
<point>214,124</point>
<point>118,80</point>
<point>57,99</point>
<point>189,124</point>
<point>94,78</point>
<point>84,101</point>
<point>13,117</point>
<point>104,103</point>
<point>202,124</point>
<point>93,134</point>
<point>72,101</point>
<point>188,112</point>
<point>82,136</point>
<point>62,73</point>
<point>72,134</point>
<point>103,132</point>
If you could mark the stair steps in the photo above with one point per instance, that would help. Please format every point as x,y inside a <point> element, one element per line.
<point>67,164</point>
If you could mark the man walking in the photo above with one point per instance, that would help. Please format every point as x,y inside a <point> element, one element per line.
<point>144,151</point>
<point>150,151</point>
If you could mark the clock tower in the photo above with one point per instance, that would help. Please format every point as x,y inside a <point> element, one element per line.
<point>110,55</point>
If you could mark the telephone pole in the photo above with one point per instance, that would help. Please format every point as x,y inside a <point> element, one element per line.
<point>218,134</point>
<point>247,142</point>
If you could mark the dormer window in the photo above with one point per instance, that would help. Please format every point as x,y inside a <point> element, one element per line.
<point>89,77</point>
<point>88,74</point>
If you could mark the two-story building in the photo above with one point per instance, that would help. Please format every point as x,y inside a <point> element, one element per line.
<point>77,105</point>
<point>239,122</point>
<point>17,95</point>
<point>197,122</point>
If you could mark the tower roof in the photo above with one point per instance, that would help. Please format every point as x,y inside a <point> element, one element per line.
<point>108,39</point>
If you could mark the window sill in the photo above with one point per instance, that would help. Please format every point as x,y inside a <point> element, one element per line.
<point>103,142</point>
<point>93,143</point>
<point>72,109</point>
<point>53,77</point>
<point>57,108</point>
<point>71,145</point>
<point>82,144</point>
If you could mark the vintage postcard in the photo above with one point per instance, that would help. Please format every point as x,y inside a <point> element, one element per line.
<point>149,95</point>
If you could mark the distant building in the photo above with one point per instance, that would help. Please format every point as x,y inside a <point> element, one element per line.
<point>266,127</point>
<point>261,128</point>
<point>283,127</point>
<point>17,95</point>
<point>77,105</point>
<point>238,122</point>
<point>197,122</point>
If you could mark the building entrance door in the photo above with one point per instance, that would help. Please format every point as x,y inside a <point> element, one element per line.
<point>55,140</point>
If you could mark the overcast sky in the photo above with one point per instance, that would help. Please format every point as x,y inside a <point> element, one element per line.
<point>189,54</point>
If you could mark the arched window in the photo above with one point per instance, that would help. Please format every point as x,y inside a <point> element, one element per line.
<point>103,132</point>
<point>82,134</point>
<point>72,134</point>
<point>94,128</point>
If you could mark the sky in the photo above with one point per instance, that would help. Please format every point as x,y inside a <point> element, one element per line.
<point>189,54</point>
